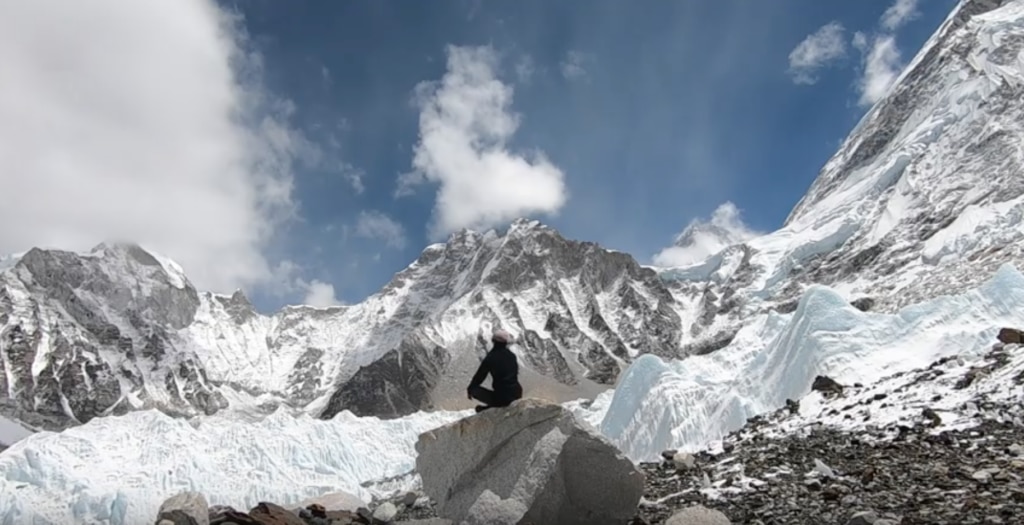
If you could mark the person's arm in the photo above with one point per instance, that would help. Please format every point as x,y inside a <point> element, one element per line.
<point>481,372</point>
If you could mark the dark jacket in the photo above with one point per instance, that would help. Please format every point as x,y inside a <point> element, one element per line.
<point>503,367</point>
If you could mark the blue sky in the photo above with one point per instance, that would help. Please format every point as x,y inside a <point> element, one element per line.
<point>656,113</point>
<point>382,126</point>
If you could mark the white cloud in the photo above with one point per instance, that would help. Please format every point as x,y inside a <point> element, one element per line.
<point>701,239</point>
<point>376,225</point>
<point>320,294</point>
<point>819,49</point>
<point>465,124</point>
<point>882,66</point>
<point>899,13</point>
<point>325,74</point>
<point>143,121</point>
<point>860,41</point>
<point>574,65</point>
<point>354,176</point>
<point>882,63</point>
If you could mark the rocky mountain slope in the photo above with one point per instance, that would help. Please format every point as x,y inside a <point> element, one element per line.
<point>121,328</point>
<point>923,198</point>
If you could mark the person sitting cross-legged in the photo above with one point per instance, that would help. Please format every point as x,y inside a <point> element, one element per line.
<point>503,367</point>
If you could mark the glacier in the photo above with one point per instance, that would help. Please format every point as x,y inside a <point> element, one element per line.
<point>118,469</point>
<point>687,404</point>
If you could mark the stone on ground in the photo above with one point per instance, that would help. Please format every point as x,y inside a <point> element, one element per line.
<point>339,500</point>
<point>271,514</point>
<point>698,515</point>
<point>530,462</point>
<point>186,508</point>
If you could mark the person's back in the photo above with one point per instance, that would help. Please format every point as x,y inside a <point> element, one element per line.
<point>502,365</point>
<point>504,369</point>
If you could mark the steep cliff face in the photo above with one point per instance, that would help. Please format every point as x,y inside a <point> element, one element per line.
<point>923,198</point>
<point>94,334</point>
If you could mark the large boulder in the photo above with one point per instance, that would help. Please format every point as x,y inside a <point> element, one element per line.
<point>532,462</point>
<point>184,508</point>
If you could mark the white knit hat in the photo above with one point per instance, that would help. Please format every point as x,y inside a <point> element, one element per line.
<point>501,336</point>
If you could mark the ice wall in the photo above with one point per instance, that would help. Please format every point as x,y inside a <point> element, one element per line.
<point>688,403</point>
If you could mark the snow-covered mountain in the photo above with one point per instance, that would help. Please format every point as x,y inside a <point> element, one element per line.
<point>121,328</point>
<point>905,254</point>
<point>923,198</point>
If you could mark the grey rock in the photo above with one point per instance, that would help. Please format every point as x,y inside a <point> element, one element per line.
<point>867,517</point>
<point>427,521</point>
<point>186,508</point>
<point>532,461</point>
<point>698,515</point>
<point>410,498</point>
<point>385,512</point>
<point>684,461</point>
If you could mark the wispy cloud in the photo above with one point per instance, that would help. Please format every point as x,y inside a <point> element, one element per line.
<point>465,125</point>
<point>574,65</point>
<point>525,69</point>
<point>702,239</point>
<point>376,225</point>
<point>325,74</point>
<point>899,14</point>
<point>882,62</point>
<point>820,49</point>
<point>882,65</point>
<point>156,112</point>
<point>354,176</point>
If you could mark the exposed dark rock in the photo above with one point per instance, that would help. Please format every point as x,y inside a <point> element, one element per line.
<point>1011,336</point>
<point>827,386</point>
<point>863,304</point>
<point>397,384</point>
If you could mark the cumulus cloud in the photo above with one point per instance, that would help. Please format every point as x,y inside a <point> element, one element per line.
<point>144,122</point>
<point>820,49</point>
<point>320,294</point>
<point>465,125</point>
<point>702,239</point>
<point>376,225</point>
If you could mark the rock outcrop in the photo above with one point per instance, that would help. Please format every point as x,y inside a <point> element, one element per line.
<point>532,462</point>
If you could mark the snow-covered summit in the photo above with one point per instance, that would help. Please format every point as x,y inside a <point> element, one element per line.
<point>924,197</point>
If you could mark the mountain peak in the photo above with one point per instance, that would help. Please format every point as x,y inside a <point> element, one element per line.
<point>703,238</point>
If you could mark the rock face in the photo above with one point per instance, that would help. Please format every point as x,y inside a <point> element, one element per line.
<point>529,463</point>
